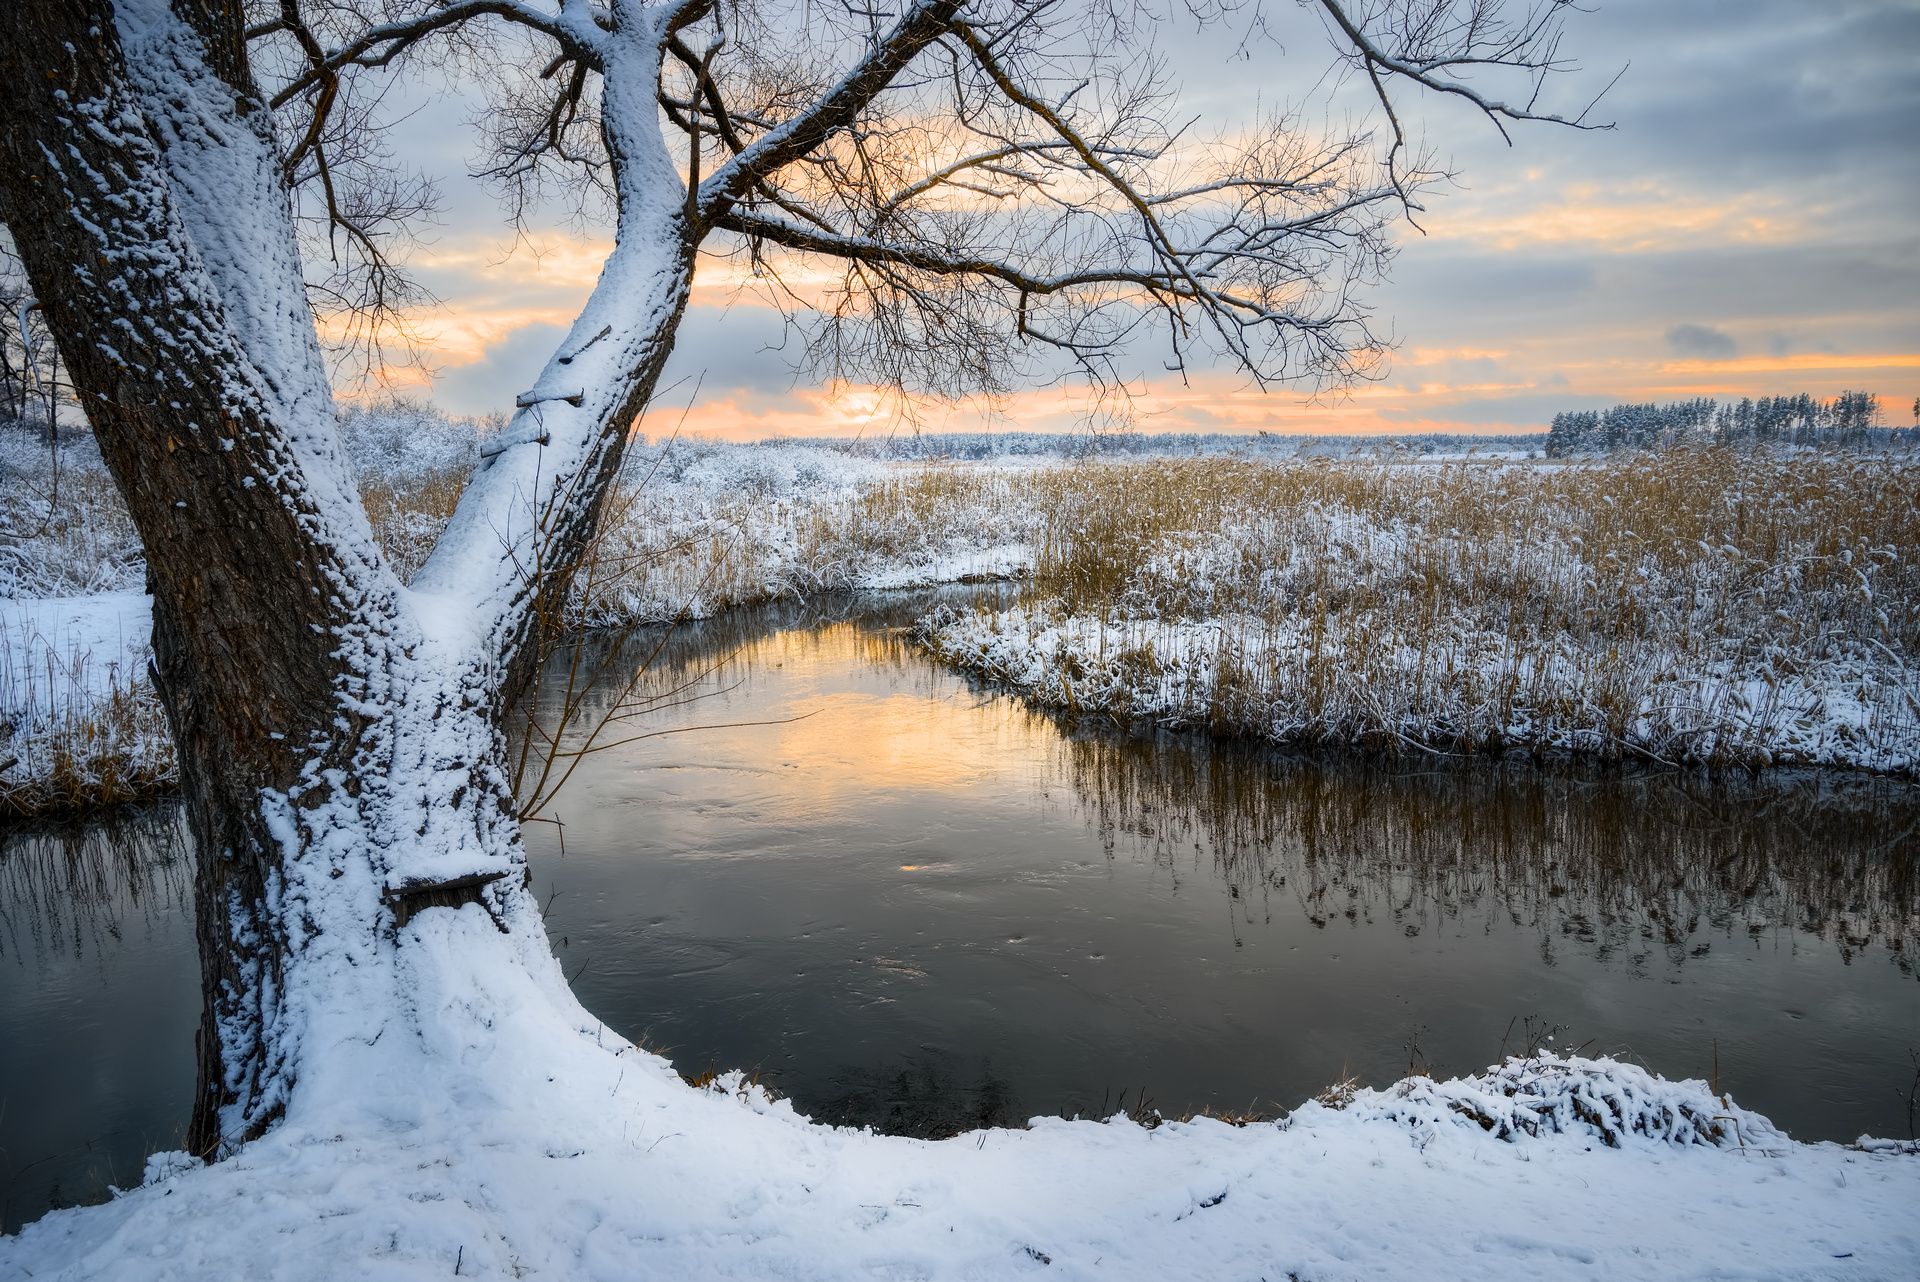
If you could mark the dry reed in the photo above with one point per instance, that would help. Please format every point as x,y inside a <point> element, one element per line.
<point>1699,606</point>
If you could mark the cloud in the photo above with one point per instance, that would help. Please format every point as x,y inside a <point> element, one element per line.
<point>1762,177</point>
<point>1643,217</point>
<point>507,368</point>
<point>743,347</point>
<point>1802,362</point>
<point>1702,341</point>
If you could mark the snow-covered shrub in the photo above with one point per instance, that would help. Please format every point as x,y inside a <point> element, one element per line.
<point>399,440</point>
<point>698,526</point>
<point>63,528</point>
<point>1608,1100</point>
<point>80,725</point>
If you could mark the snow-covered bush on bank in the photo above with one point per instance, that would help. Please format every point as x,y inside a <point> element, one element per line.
<point>1703,607</point>
<point>1525,1097</point>
<point>699,527</point>
<point>79,723</point>
<point>399,441</point>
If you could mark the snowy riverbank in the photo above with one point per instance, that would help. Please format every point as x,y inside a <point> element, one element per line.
<point>1687,608</point>
<point>505,1139</point>
<point>475,1121</point>
<point>83,726</point>
<point>1285,684</point>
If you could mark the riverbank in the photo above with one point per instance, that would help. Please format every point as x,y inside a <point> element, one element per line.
<point>692,529</point>
<point>497,1129</point>
<point>85,730</point>
<point>545,1146</point>
<point>906,902</point>
<point>1687,608</point>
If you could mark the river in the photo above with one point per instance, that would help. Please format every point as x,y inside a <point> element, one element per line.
<point>909,901</point>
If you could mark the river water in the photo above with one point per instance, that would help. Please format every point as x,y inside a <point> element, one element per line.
<point>909,901</point>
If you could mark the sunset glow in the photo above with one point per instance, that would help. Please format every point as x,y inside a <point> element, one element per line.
<point>1694,250</point>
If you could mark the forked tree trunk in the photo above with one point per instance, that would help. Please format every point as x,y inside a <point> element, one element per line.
<point>338,732</point>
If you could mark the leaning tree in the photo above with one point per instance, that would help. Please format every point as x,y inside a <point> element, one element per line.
<point>1000,186</point>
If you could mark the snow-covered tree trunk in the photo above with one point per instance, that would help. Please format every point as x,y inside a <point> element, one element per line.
<point>338,731</point>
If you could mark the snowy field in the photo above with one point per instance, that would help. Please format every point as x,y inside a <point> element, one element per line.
<point>506,1133</point>
<point>1682,608</point>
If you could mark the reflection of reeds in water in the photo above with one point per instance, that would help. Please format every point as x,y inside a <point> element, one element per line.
<point>1629,864</point>
<point>75,888</point>
<point>1640,865</point>
<point>930,1095</point>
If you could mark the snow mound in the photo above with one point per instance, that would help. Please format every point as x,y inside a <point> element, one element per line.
<point>1607,1100</point>
<point>564,1156</point>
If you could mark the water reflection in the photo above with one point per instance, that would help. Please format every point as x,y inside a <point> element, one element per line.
<point>944,880</point>
<point>1637,865</point>
<point>98,998</point>
<point>706,679</point>
<point>1642,867</point>
<point>929,1095</point>
<point>74,890</point>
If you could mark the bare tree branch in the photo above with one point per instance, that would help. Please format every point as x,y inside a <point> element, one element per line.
<point>1436,43</point>
<point>795,137</point>
<point>382,44</point>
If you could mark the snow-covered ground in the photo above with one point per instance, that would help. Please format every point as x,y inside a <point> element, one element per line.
<point>1687,608</point>
<point>93,644</point>
<point>1683,608</point>
<point>498,1131</point>
<point>698,527</point>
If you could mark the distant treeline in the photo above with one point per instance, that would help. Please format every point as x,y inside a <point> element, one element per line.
<point>991,445</point>
<point>1851,420</point>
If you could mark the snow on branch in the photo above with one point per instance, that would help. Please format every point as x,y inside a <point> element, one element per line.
<point>836,109</point>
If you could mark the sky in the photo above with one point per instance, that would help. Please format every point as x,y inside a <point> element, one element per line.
<point>1750,226</point>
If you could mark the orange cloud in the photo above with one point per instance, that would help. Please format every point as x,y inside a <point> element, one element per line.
<point>1621,220</point>
<point>545,257</point>
<point>1440,355</point>
<point>493,288</point>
